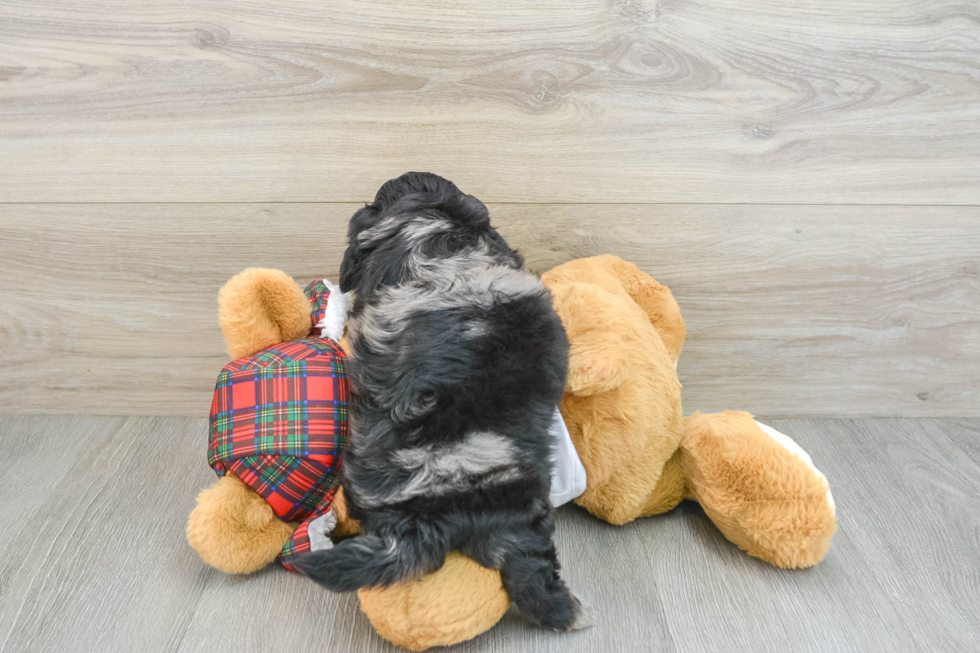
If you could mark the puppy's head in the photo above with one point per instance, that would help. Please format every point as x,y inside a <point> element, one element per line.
<point>416,210</point>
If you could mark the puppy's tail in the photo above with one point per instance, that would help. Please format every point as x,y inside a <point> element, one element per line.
<point>368,561</point>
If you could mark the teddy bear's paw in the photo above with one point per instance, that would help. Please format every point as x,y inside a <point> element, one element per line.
<point>234,529</point>
<point>585,615</point>
<point>790,445</point>
<point>759,488</point>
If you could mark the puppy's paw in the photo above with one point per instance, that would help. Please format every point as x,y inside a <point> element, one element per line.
<point>584,615</point>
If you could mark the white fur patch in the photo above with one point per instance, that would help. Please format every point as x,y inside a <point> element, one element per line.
<point>380,231</point>
<point>414,231</point>
<point>790,445</point>
<point>422,229</point>
<point>332,324</point>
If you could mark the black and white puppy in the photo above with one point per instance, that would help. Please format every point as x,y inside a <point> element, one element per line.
<point>458,361</point>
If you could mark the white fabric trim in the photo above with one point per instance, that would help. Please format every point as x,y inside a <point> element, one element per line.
<point>567,474</point>
<point>320,529</point>
<point>788,443</point>
<point>332,324</point>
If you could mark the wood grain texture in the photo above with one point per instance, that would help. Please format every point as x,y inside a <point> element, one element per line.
<point>100,564</point>
<point>791,310</point>
<point>906,542</point>
<point>965,434</point>
<point>915,504</point>
<point>856,101</point>
<point>96,559</point>
<point>27,446</point>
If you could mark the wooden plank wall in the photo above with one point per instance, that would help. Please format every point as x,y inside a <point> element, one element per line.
<point>804,177</point>
<point>110,308</point>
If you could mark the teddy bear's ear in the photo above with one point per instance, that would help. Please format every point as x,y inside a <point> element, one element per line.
<point>595,324</point>
<point>656,301</point>
<point>260,308</point>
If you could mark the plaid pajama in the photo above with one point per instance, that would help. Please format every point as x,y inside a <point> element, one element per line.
<point>279,423</point>
<point>318,295</point>
<point>298,544</point>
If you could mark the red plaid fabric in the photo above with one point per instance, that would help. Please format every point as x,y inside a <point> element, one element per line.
<point>298,544</point>
<point>318,295</point>
<point>279,423</point>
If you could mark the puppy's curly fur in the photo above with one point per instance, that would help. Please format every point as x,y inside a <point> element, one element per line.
<point>458,361</point>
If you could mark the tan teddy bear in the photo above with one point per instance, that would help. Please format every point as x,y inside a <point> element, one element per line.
<point>278,427</point>
<point>622,409</point>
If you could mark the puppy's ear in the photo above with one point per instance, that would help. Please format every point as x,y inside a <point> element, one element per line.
<point>350,275</point>
<point>467,210</point>
<point>352,268</point>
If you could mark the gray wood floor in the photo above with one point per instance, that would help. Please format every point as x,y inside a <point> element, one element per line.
<point>94,557</point>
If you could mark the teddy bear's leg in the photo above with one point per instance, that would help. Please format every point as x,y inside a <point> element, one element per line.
<point>759,488</point>
<point>670,490</point>
<point>452,605</point>
<point>259,308</point>
<point>234,529</point>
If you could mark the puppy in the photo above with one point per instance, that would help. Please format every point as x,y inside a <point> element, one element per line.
<point>458,361</point>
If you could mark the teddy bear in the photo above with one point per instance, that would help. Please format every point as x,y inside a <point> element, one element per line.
<point>278,425</point>
<point>622,410</point>
<point>642,456</point>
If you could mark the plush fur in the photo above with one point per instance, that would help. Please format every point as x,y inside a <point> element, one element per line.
<point>623,411</point>
<point>744,480</point>
<point>234,529</point>
<point>458,362</point>
<point>623,405</point>
<point>259,308</point>
<point>438,608</point>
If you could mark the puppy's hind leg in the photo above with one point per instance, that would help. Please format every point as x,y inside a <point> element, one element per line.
<point>528,565</point>
<point>535,586</point>
<point>369,561</point>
